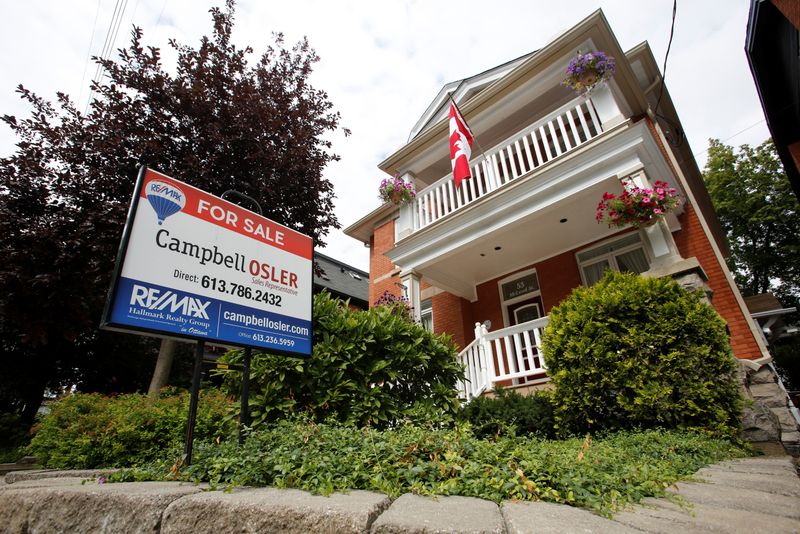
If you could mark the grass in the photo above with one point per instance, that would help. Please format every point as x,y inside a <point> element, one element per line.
<point>603,474</point>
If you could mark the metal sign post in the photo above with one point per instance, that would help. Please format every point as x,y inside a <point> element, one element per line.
<point>244,414</point>
<point>198,367</point>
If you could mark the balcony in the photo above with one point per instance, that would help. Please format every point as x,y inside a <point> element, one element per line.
<point>510,355</point>
<point>542,142</point>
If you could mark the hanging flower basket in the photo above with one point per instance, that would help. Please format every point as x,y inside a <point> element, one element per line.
<point>637,207</point>
<point>587,71</point>
<point>396,190</point>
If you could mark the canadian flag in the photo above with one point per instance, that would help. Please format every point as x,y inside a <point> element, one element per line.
<point>460,145</point>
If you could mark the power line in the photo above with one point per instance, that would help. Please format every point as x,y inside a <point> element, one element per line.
<point>734,135</point>
<point>669,46</point>
<point>88,54</point>
<point>108,44</point>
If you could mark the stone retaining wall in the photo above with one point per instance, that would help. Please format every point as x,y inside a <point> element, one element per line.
<point>767,415</point>
<point>756,495</point>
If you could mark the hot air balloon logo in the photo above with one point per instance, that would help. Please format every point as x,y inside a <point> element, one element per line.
<point>165,198</point>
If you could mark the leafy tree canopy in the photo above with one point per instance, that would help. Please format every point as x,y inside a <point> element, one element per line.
<point>761,217</point>
<point>215,121</point>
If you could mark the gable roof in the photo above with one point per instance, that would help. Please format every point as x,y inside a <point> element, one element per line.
<point>461,91</point>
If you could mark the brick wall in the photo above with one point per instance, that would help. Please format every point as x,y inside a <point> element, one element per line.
<point>453,315</point>
<point>379,265</point>
<point>558,276</point>
<point>693,242</point>
<point>488,305</point>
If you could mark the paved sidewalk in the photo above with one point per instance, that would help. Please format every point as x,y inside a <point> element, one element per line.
<point>753,495</point>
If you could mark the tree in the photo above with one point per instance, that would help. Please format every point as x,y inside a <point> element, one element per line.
<point>217,123</point>
<point>760,215</point>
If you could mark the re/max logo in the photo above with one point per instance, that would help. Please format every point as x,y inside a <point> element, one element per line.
<point>155,299</point>
<point>166,191</point>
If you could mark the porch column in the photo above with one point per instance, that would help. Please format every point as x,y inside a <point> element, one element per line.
<point>405,223</point>
<point>606,106</point>
<point>658,236</point>
<point>410,280</point>
<point>667,260</point>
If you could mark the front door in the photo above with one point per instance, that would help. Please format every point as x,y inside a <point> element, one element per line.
<point>518,313</point>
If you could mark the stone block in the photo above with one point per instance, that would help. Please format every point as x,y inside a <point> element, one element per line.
<point>765,375</point>
<point>759,423</point>
<point>790,438</point>
<point>89,508</point>
<point>667,518</point>
<point>551,518</point>
<point>785,419</point>
<point>37,474</point>
<point>771,395</point>
<point>788,484</point>
<point>738,498</point>
<point>412,513</point>
<point>273,510</point>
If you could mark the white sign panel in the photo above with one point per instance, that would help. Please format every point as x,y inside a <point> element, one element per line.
<point>194,265</point>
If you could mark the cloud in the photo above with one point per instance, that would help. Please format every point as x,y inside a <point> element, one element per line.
<point>383,62</point>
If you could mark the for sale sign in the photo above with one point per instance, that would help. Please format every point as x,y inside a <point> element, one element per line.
<point>195,266</point>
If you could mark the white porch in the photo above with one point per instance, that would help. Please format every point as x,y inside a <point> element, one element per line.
<point>511,354</point>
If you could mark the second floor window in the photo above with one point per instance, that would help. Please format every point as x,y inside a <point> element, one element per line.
<point>625,254</point>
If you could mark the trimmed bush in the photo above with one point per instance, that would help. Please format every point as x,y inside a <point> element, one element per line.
<point>635,352</point>
<point>367,367</point>
<point>510,413</point>
<point>89,430</point>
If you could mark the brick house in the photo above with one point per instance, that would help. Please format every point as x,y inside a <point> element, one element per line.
<point>486,262</point>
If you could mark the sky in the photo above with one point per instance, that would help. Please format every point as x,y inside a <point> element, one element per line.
<point>383,62</point>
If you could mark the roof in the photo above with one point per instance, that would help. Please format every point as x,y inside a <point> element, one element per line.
<point>342,280</point>
<point>771,48</point>
<point>462,90</point>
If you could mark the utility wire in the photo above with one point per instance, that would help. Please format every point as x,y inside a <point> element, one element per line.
<point>734,135</point>
<point>674,133</point>
<point>88,54</point>
<point>669,46</point>
<point>108,44</point>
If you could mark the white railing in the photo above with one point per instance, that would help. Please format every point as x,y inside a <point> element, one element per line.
<point>546,139</point>
<point>509,354</point>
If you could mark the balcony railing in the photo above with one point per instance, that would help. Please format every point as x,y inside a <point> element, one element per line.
<point>508,355</point>
<point>545,140</point>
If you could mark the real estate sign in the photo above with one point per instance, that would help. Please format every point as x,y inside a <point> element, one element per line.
<point>192,265</point>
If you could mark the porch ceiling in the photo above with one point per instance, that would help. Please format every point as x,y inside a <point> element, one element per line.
<point>525,242</point>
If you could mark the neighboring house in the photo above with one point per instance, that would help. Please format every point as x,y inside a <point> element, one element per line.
<point>487,262</point>
<point>768,311</point>
<point>341,280</point>
<point>773,50</point>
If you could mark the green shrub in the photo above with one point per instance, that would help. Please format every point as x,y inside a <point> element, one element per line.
<point>635,352</point>
<point>13,437</point>
<point>88,430</point>
<point>510,413</point>
<point>367,367</point>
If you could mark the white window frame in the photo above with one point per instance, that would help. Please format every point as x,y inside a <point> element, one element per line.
<point>610,256</point>
<point>426,310</point>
